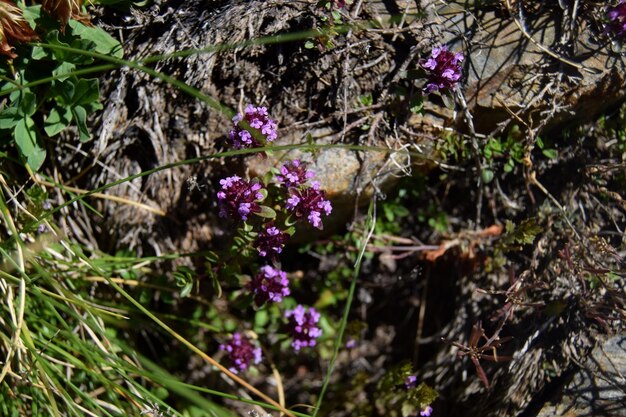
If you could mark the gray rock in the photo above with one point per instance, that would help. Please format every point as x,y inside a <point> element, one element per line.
<point>598,388</point>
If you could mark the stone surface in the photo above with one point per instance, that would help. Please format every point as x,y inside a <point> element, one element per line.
<point>536,62</point>
<point>598,388</point>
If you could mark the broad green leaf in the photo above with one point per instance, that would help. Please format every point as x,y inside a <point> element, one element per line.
<point>31,14</point>
<point>83,45</point>
<point>63,92</point>
<point>28,143</point>
<point>266,212</point>
<point>64,68</point>
<point>53,38</point>
<point>28,103</point>
<point>39,53</point>
<point>69,56</point>
<point>80,116</point>
<point>86,92</point>
<point>104,43</point>
<point>9,117</point>
<point>58,119</point>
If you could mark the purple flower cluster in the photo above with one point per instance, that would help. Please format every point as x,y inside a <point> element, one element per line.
<point>238,197</point>
<point>302,326</point>
<point>269,284</point>
<point>426,412</point>
<point>617,19</point>
<point>410,381</point>
<point>258,118</point>
<point>309,203</point>
<point>241,352</point>
<point>294,173</point>
<point>444,69</point>
<point>270,241</point>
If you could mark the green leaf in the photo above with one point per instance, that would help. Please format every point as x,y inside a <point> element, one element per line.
<point>28,143</point>
<point>69,56</point>
<point>87,91</point>
<point>39,53</point>
<point>28,103</point>
<point>539,142</point>
<point>366,99</point>
<point>309,45</point>
<point>9,117</point>
<point>261,318</point>
<point>80,116</point>
<point>104,43</point>
<point>63,92</point>
<point>184,278</point>
<point>487,175</point>
<point>417,104</point>
<point>31,14</point>
<point>83,45</point>
<point>524,234</point>
<point>549,153</point>
<point>61,70</point>
<point>58,119</point>
<point>186,290</point>
<point>266,212</point>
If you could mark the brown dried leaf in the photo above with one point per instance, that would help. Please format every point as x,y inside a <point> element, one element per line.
<point>64,10</point>
<point>13,28</point>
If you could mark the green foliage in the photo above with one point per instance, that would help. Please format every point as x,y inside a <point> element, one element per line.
<point>549,153</point>
<point>397,401</point>
<point>184,278</point>
<point>497,152</point>
<point>391,214</point>
<point>32,113</point>
<point>453,148</point>
<point>432,215</point>
<point>524,234</point>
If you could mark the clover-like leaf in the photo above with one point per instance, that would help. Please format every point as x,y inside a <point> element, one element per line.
<point>28,143</point>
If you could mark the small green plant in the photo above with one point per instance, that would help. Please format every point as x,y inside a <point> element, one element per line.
<point>400,394</point>
<point>32,110</point>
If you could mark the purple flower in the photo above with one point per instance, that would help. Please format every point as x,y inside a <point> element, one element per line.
<point>238,197</point>
<point>350,343</point>
<point>444,69</point>
<point>410,381</point>
<point>309,203</point>
<point>258,118</point>
<point>294,174</point>
<point>241,352</point>
<point>270,241</point>
<point>302,326</point>
<point>269,284</point>
<point>426,411</point>
<point>617,19</point>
